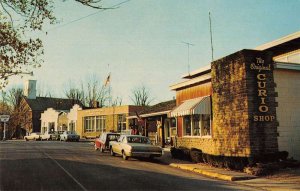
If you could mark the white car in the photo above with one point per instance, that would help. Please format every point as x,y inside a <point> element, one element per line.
<point>134,146</point>
<point>33,136</point>
<point>69,136</point>
<point>46,136</point>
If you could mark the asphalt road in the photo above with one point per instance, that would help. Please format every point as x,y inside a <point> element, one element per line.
<point>51,165</point>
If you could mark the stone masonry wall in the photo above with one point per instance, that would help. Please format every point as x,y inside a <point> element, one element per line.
<point>230,106</point>
<point>243,103</point>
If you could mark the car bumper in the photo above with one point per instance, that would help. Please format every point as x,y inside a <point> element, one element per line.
<point>145,154</point>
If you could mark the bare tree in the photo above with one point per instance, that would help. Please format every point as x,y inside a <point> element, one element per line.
<point>13,100</point>
<point>75,93</point>
<point>89,93</point>
<point>141,96</point>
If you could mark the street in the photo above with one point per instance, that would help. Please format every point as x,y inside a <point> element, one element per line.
<point>50,165</point>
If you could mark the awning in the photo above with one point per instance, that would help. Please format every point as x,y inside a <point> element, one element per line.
<point>199,105</point>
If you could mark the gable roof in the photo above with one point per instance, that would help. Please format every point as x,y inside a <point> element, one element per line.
<point>43,103</point>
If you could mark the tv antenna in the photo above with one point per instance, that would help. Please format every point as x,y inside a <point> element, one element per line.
<point>211,38</point>
<point>188,46</point>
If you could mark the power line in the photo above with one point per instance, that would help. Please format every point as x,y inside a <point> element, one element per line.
<point>84,17</point>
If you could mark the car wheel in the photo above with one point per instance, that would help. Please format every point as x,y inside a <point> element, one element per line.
<point>35,139</point>
<point>112,152</point>
<point>101,149</point>
<point>151,157</point>
<point>26,139</point>
<point>77,140</point>
<point>124,155</point>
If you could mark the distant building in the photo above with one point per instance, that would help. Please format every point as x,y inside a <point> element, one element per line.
<point>59,120</point>
<point>31,107</point>
<point>93,122</point>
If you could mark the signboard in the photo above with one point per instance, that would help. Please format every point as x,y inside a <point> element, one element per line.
<point>4,118</point>
<point>262,71</point>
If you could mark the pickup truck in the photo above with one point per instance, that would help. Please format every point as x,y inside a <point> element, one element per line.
<point>33,136</point>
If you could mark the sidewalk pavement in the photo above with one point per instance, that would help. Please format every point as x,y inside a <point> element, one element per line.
<point>267,183</point>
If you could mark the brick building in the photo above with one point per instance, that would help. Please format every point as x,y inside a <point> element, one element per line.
<point>243,105</point>
<point>92,122</point>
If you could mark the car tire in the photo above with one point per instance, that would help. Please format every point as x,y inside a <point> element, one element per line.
<point>77,140</point>
<point>124,156</point>
<point>112,152</point>
<point>26,139</point>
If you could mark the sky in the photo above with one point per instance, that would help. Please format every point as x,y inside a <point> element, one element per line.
<point>141,42</point>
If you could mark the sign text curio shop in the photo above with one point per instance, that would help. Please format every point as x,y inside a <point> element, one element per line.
<point>262,69</point>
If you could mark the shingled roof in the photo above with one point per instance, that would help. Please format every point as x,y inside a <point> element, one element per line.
<point>42,103</point>
<point>160,107</point>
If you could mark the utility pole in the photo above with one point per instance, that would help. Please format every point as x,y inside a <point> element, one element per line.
<point>188,46</point>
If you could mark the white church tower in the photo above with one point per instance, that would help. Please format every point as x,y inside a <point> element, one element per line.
<point>30,89</point>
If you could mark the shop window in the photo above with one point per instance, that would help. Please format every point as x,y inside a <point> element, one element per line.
<point>44,130</point>
<point>197,125</point>
<point>72,126</point>
<point>173,127</point>
<point>100,123</point>
<point>89,124</point>
<point>121,123</point>
<point>206,128</point>
<point>187,125</point>
<point>51,126</point>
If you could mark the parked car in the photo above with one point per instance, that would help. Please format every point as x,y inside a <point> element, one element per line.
<point>56,135</point>
<point>102,143</point>
<point>134,146</point>
<point>69,136</point>
<point>33,136</point>
<point>47,136</point>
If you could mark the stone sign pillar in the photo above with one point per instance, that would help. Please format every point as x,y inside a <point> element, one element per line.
<point>243,103</point>
<point>261,103</point>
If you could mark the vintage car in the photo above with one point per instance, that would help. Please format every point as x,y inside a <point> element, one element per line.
<point>56,135</point>
<point>134,146</point>
<point>69,136</point>
<point>33,136</point>
<point>47,136</point>
<point>102,143</point>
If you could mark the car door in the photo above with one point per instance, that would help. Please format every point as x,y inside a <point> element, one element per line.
<point>118,148</point>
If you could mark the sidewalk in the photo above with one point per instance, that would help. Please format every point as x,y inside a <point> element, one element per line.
<point>283,181</point>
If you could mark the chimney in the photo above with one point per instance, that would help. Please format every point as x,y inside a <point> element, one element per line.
<point>95,104</point>
<point>30,89</point>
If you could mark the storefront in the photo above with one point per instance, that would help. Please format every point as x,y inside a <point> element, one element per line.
<point>154,123</point>
<point>234,107</point>
<point>92,122</point>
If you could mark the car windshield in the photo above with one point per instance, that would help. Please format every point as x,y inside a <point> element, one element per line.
<point>113,137</point>
<point>136,139</point>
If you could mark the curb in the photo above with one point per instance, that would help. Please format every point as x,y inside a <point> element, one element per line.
<point>212,174</point>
